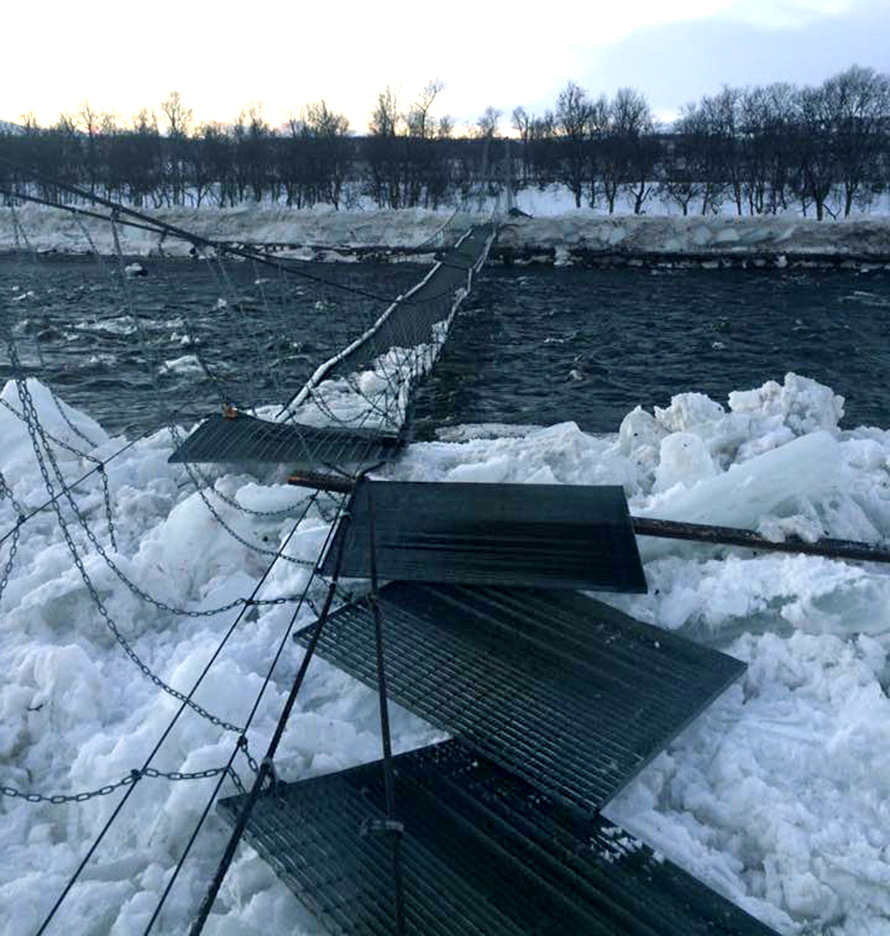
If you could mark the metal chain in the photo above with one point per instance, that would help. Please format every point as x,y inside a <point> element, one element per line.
<point>14,545</point>
<point>118,572</point>
<point>10,560</point>
<point>108,512</point>
<point>251,760</point>
<point>239,786</point>
<point>33,428</point>
<point>100,466</point>
<point>61,799</point>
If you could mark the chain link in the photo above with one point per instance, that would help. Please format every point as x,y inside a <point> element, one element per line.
<point>14,545</point>
<point>251,761</point>
<point>103,474</point>
<point>118,572</point>
<point>34,429</point>
<point>10,561</point>
<point>62,799</point>
<point>33,424</point>
<point>239,786</point>
<point>100,466</point>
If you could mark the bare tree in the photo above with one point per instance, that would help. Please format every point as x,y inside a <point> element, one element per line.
<point>445,127</point>
<point>383,149</point>
<point>179,117</point>
<point>324,132</point>
<point>816,168</point>
<point>573,113</point>
<point>386,119</point>
<point>522,124</point>
<point>857,108</point>
<point>89,121</point>
<point>487,123</point>
<point>631,148</point>
<point>682,176</point>
<point>418,119</point>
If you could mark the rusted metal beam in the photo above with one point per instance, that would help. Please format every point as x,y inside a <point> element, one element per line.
<point>732,536</point>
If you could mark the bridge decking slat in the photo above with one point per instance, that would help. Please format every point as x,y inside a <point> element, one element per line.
<point>483,852</point>
<point>572,695</point>
<point>247,439</point>
<point>532,535</point>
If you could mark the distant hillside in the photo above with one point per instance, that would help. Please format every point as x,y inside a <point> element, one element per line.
<point>6,127</point>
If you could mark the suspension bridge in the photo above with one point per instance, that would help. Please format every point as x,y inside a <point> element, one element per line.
<point>469,613</point>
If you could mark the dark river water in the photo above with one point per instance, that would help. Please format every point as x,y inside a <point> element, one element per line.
<point>531,345</point>
<point>541,345</point>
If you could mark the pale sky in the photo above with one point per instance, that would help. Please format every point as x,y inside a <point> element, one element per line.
<point>222,57</point>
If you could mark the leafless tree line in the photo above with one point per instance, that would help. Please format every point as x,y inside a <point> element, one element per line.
<point>761,150</point>
<point>758,148</point>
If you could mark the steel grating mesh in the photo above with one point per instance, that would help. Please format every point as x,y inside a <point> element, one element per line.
<point>247,439</point>
<point>533,535</point>
<point>483,853</point>
<point>570,694</point>
<point>411,321</point>
<point>408,325</point>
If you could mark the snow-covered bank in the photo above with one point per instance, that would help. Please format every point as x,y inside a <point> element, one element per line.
<point>778,796</point>
<point>575,236</point>
<point>306,234</point>
<point>584,237</point>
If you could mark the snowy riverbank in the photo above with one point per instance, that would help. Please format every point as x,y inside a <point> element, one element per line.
<point>778,796</point>
<point>768,241</point>
<point>572,237</point>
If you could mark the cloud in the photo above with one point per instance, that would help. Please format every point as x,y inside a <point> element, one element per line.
<point>487,53</point>
<point>675,63</point>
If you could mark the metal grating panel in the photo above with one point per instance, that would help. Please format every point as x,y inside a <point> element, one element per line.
<point>532,535</point>
<point>246,438</point>
<point>570,694</point>
<point>483,853</point>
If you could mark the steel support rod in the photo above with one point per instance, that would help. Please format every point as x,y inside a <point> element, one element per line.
<point>732,536</point>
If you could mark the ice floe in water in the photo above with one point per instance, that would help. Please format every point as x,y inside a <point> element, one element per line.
<point>778,796</point>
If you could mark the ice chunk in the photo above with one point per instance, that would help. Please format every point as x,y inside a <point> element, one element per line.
<point>684,460</point>
<point>370,382</point>
<point>805,469</point>
<point>688,410</point>
<point>803,403</point>
<point>56,417</point>
<point>639,429</point>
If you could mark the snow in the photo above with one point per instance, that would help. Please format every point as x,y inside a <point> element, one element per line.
<point>671,237</point>
<point>553,235</point>
<point>312,230</point>
<point>778,796</point>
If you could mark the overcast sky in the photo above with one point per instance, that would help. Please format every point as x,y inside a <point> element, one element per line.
<point>221,57</point>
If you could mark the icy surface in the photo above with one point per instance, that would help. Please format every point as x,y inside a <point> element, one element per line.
<point>312,234</point>
<point>778,796</point>
<point>287,228</point>
<point>717,235</point>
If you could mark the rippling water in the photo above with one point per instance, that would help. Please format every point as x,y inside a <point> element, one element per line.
<point>532,345</point>
<point>542,345</point>
<point>184,337</point>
